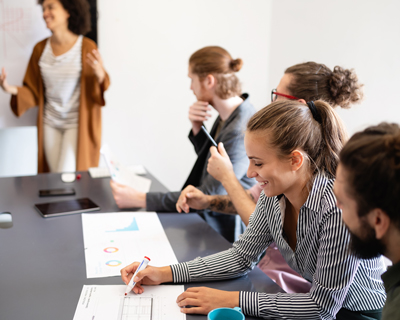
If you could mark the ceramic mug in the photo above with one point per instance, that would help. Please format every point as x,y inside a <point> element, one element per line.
<point>226,314</point>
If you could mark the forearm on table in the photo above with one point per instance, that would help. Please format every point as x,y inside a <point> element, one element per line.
<point>222,203</point>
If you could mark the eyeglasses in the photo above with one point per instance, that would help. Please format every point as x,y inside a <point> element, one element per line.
<point>274,95</point>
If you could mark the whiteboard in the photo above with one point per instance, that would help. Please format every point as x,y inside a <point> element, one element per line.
<point>21,27</point>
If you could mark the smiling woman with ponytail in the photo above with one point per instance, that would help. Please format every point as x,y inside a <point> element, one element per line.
<point>293,149</point>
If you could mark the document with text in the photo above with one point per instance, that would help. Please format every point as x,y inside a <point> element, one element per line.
<point>108,302</point>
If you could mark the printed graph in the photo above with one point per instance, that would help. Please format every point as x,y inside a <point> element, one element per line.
<point>131,227</point>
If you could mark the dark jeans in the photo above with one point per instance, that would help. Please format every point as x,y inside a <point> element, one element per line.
<point>345,314</point>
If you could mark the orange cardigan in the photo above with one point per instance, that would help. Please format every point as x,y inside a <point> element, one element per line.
<point>31,94</point>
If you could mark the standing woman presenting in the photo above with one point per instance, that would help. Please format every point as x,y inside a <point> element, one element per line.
<point>66,79</point>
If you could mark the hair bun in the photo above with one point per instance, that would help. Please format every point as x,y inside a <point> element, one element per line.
<point>236,64</point>
<point>344,87</point>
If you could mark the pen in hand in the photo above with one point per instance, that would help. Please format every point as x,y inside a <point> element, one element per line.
<point>209,136</point>
<point>141,267</point>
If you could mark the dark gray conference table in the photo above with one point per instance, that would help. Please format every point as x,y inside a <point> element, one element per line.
<point>42,262</point>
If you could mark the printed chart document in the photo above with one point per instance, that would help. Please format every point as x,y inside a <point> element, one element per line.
<point>109,303</point>
<point>114,240</point>
<point>122,174</point>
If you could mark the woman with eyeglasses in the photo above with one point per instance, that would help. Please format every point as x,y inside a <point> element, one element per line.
<point>303,82</point>
<point>312,81</point>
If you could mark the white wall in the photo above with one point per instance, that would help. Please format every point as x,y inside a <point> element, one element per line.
<point>359,34</point>
<point>146,46</point>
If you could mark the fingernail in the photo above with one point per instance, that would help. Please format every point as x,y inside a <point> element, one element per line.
<point>136,279</point>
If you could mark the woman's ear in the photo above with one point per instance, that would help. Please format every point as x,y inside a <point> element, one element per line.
<point>302,101</point>
<point>297,160</point>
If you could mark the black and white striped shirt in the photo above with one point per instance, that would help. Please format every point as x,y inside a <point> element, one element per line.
<point>321,256</point>
<point>61,78</point>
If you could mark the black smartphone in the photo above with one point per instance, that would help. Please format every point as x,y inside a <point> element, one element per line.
<point>57,192</point>
<point>60,208</point>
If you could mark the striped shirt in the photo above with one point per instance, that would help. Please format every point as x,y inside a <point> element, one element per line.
<point>61,77</point>
<point>321,256</point>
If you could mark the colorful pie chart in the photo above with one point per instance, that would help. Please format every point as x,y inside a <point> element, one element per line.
<point>113,263</point>
<point>111,250</point>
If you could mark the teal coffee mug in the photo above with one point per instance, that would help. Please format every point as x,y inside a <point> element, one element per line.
<point>226,314</point>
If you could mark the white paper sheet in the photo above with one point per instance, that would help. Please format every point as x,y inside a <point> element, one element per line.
<point>114,240</point>
<point>109,303</point>
<point>123,174</point>
<point>103,172</point>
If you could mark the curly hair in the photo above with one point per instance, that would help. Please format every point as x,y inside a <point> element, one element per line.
<point>79,15</point>
<point>314,81</point>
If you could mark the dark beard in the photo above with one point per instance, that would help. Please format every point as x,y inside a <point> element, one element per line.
<point>367,247</point>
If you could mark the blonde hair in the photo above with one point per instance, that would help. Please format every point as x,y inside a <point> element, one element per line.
<point>218,62</point>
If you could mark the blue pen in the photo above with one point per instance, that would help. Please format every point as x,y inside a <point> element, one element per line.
<point>209,136</point>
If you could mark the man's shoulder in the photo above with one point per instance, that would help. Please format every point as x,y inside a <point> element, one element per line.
<point>391,310</point>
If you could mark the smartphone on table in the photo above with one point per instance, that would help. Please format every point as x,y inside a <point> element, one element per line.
<point>56,192</point>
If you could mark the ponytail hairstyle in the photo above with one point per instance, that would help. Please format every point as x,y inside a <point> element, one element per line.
<point>371,159</point>
<point>218,62</point>
<point>291,125</point>
<point>314,81</point>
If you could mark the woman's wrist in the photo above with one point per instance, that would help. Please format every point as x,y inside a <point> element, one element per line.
<point>228,178</point>
<point>101,76</point>
<point>166,274</point>
<point>234,299</point>
<point>11,89</point>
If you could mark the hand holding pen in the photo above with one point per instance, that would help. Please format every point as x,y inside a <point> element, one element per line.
<point>148,276</point>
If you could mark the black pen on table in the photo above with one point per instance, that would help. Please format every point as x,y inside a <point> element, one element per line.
<point>209,136</point>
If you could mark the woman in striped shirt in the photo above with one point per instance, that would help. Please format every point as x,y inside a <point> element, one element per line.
<point>293,150</point>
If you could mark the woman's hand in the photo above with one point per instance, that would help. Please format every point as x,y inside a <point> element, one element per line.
<point>219,165</point>
<point>150,276</point>
<point>96,62</point>
<point>202,300</point>
<point>4,84</point>
<point>192,197</point>
<point>127,197</point>
<point>198,113</point>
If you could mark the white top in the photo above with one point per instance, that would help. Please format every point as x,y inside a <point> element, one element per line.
<point>61,77</point>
